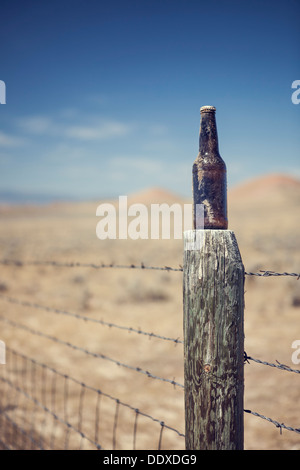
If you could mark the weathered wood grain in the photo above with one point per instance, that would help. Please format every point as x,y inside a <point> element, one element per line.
<point>213,291</point>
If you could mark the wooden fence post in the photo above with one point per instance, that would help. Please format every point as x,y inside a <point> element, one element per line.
<point>213,286</point>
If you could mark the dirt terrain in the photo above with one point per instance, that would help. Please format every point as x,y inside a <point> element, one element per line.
<point>264,214</point>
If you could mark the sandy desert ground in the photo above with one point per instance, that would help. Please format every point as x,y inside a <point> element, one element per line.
<point>264,214</point>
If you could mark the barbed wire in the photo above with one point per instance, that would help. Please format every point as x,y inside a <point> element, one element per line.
<point>119,402</point>
<point>129,329</point>
<point>91,388</point>
<point>136,410</point>
<point>276,423</point>
<point>20,429</point>
<point>47,410</point>
<point>263,273</point>
<point>90,353</point>
<point>86,265</point>
<point>278,365</point>
<point>25,303</point>
<point>20,263</point>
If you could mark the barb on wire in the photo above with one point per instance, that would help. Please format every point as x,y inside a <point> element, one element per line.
<point>278,365</point>
<point>86,351</point>
<point>47,410</point>
<point>261,273</point>
<point>25,303</point>
<point>91,388</point>
<point>20,430</point>
<point>276,423</point>
<point>86,265</point>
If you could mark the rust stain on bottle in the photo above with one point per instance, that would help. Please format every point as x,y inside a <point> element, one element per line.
<point>209,175</point>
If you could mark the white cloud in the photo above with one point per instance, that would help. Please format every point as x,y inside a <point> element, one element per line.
<point>10,141</point>
<point>145,164</point>
<point>98,131</point>
<point>37,124</point>
<point>91,128</point>
<point>158,130</point>
<point>65,152</point>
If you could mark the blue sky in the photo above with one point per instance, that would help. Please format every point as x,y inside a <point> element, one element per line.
<point>103,98</point>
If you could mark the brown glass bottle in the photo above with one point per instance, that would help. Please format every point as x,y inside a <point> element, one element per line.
<point>209,176</point>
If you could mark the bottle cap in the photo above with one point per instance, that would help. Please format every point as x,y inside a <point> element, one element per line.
<point>207,109</point>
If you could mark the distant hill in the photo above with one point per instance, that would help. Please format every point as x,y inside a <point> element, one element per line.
<point>266,187</point>
<point>154,196</point>
<point>266,206</point>
<point>20,197</point>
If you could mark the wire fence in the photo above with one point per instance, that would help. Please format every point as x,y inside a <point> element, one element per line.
<point>48,421</point>
<point>36,411</point>
<point>261,273</point>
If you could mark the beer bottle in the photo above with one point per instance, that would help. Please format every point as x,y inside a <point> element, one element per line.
<point>209,176</point>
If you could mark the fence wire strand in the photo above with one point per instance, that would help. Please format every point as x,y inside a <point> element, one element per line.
<point>25,303</point>
<point>278,365</point>
<point>20,263</point>
<point>30,395</point>
<point>276,423</point>
<point>46,409</point>
<point>86,351</point>
<point>65,420</point>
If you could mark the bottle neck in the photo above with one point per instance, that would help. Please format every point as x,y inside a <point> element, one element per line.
<point>208,139</point>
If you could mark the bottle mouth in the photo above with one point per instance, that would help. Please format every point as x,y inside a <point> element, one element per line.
<point>207,109</point>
